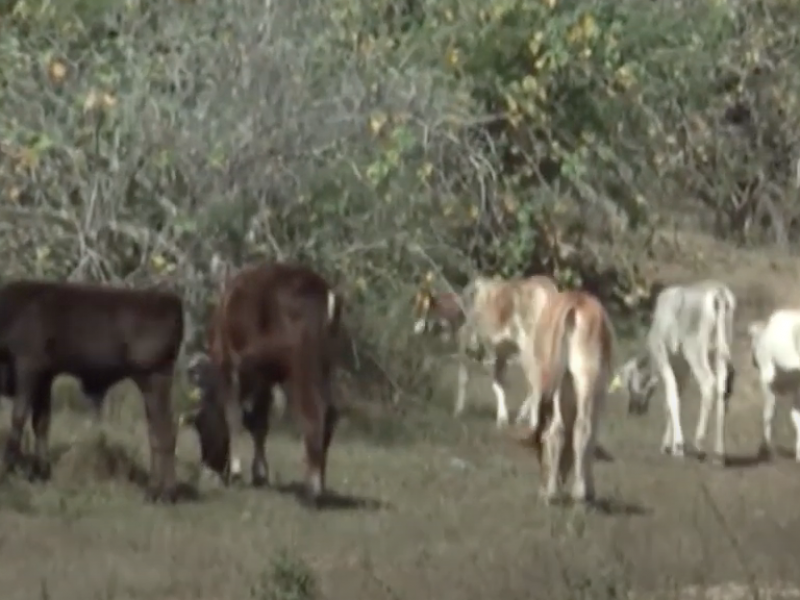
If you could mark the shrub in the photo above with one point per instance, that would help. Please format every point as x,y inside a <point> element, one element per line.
<point>382,140</point>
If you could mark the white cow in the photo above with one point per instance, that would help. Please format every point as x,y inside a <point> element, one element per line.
<point>691,331</point>
<point>775,345</point>
<point>494,314</point>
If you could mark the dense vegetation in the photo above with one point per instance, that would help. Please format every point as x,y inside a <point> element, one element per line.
<point>380,141</point>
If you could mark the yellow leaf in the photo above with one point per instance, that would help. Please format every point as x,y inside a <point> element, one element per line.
<point>57,71</point>
<point>425,171</point>
<point>158,262</point>
<point>361,284</point>
<point>473,212</point>
<point>91,101</point>
<point>194,394</point>
<point>109,101</point>
<point>377,122</point>
<point>453,57</point>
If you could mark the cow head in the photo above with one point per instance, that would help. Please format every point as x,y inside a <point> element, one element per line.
<point>207,417</point>
<point>636,377</point>
<point>436,313</point>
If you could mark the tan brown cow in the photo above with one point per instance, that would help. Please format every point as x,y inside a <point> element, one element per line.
<point>275,324</point>
<point>568,363</point>
<point>491,314</point>
<point>100,335</point>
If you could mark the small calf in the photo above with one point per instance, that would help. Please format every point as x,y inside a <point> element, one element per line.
<point>574,338</point>
<point>100,335</point>
<point>775,346</point>
<point>691,331</point>
<point>494,314</point>
<point>275,324</point>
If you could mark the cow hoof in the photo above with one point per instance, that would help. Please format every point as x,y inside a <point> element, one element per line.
<point>311,500</point>
<point>40,471</point>
<point>764,452</point>
<point>159,495</point>
<point>666,450</point>
<point>548,497</point>
<point>678,451</point>
<point>718,460</point>
<point>502,423</point>
<point>260,480</point>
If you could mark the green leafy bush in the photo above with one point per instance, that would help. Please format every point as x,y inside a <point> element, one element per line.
<point>380,141</point>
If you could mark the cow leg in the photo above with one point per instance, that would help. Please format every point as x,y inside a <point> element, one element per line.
<point>766,377</point>
<point>41,410</point>
<point>155,389</point>
<point>583,438</point>
<point>795,416</point>
<point>674,378</point>
<point>231,397</point>
<point>461,392</point>
<point>698,363</point>
<point>498,386</point>
<point>256,421</point>
<point>320,417</point>
<point>26,383</point>
<point>554,446</point>
<point>533,374</point>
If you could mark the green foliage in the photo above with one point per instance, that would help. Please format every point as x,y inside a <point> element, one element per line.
<point>379,141</point>
<point>289,578</point>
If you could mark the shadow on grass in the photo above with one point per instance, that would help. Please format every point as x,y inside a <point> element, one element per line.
<point>609,507</point>
<point>330,500</point>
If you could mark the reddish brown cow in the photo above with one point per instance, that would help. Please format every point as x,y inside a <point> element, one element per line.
<point>99,335</point>
<point>275,324</point>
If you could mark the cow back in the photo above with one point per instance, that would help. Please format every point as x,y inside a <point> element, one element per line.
<point>273,299</point>
<point>79,328</point>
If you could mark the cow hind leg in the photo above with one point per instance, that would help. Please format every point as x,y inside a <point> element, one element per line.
<point>256,421</point>
<point>41,410</point>
<point>795,417</point>
<point>765,449</point>
<point>21,408</point>
<point>674,378</point>
<point>583,438</point>
<point>698,363</point>
<point>155,389</point>
<point>554,446</point>
<point>498,386</point>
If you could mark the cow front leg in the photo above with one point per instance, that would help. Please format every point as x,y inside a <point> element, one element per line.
<point>41,410</point>
<point>553,449</point>
<point>795,417</point>
<point>765,449</point>
<point>155,390</point>
<point>19,417</point>
<point>706,379</point>
<point>256,421</point>
<point>498,386</point>
<point>673,384</point>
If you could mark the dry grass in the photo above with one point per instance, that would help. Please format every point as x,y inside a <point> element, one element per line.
<point>448,513</point>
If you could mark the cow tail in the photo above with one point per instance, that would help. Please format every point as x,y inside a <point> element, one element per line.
<point>724,306</point>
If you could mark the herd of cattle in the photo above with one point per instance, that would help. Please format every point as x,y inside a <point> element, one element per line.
<point>277,324</point>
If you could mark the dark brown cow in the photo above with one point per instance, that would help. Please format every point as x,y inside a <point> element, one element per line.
<point>275,324</point>
<point>99,335</point>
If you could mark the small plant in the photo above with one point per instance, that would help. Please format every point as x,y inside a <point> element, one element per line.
<point>288,578</point>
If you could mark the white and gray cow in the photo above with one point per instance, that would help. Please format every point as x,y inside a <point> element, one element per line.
<point>691,331</point>
<point>775,346</point>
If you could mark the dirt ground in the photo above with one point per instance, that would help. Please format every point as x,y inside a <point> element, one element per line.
<point>452,515</point>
